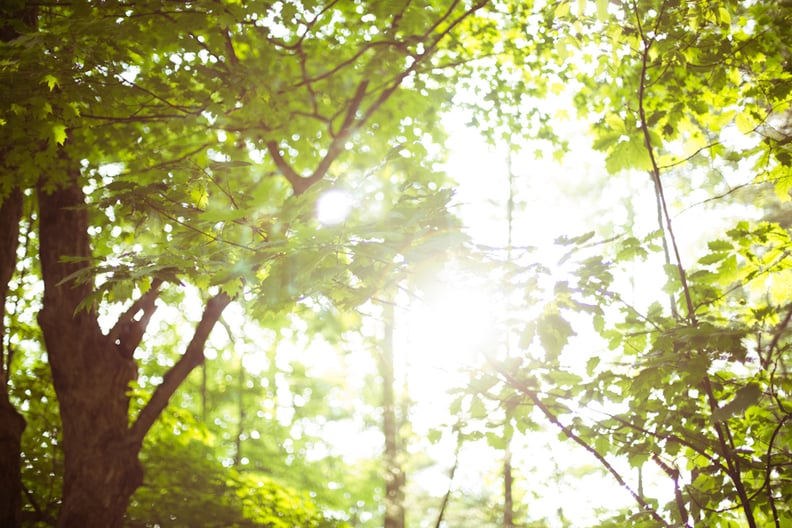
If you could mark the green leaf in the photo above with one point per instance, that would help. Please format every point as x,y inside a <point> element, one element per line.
<point>720,245</point>
<point>591,365</point>
<point>575,240</point>
<point>630,154</point>
<point>434,435</point>
<point>712,258</point>
<point>743,398</point>
<point>477,408</point>
<point>59,133</point>
<point>496,440</point>
<point>563,378</point>
<point>51,81</point>
<point>554,332</point>
<point>602,10</point>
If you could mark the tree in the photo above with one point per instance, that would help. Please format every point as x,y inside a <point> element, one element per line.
<point>391,423</point>
<point>14,424</point>
<point>170,157</point>
<point>175,144</point>
<point>691,379</point>
<point>18,19</point>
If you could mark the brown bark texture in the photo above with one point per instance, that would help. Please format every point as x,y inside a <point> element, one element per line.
<point>91,371</point>
<point>11,422</point>
<point>90,375</point>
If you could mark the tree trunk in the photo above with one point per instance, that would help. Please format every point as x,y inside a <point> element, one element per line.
<point>508,502</point>
<point>11,422</point>
<point>394,476</point>
<point>91,376</point>
<point>508,475</point>
<point>91,372</point>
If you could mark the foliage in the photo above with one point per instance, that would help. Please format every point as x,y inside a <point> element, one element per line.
<point>691,381</point>
<point>201,139</point>
<point>186,485</point>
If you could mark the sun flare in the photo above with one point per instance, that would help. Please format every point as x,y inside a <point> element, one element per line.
<point>450,328</point>
<point>333,207</point>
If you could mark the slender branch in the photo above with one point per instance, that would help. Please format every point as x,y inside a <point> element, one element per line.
<point>41,515</point>
<point>308,84</point>
<point>534,397</point>
<point>690,157</point>
<point>569,433</point>
<point>174,161</point>
<point>341,65</point>
<point>444,17</point>
<point>673,474</point>
<point>131,119</point>
<point>718,196</point>
<point>451,472</point>
<point>187,110</point>
<point>10,217</point>
<point>229,46</point>
<point>777,336</point>
<point>670,437</point>
<point>395,23</point>
<point>662,208</point>
<point>351,121</point>
<point>189,226</point>
<point>301,184</point>
<point>769,469</point>
<point>725,440</point>
<point>337,145</point>
<point>128,331</point>
<point>429,49</point>
<point>309,26</point>
<point>722,429</point>
<point>283,166</point>
<point>192,357</point>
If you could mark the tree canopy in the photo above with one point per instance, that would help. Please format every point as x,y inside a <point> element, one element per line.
<point>219,216</point>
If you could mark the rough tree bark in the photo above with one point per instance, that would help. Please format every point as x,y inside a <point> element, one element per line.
<point>91,371</point>
<point>90,374</point>
<point>11,422</point>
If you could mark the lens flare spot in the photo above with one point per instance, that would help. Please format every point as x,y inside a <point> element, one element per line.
<point>333,207</point>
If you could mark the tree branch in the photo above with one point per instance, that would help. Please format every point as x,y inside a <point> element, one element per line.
<point>301,184</point>
<point>569,433</point>
<point>662,208</point>
<point>769,469</point>
<point>283,166</point>
<point>351,123</point>
<point>451,473</point>
<point>777,335</point>
<point>128,331</point>
<point>193,356</point>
